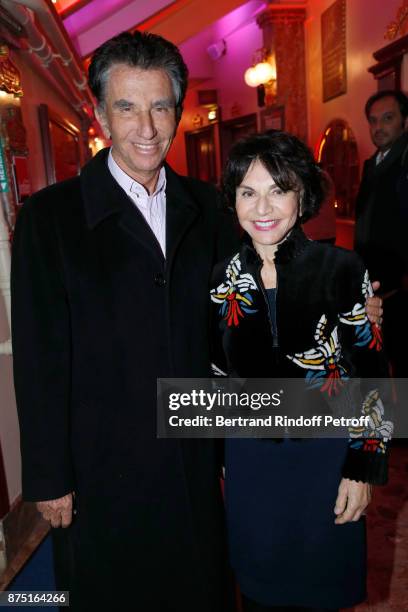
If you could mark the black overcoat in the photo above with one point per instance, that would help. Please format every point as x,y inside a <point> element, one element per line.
<point>381,239</point>
<point>98,315</point>
<point>382,216</point>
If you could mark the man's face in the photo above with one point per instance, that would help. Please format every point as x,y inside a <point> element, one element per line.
<point>385,122</point>
<point>139,116</point>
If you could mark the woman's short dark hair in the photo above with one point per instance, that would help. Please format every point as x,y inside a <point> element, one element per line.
<point>399,97</point>
<point>141,50</point>
<point>287,159</point>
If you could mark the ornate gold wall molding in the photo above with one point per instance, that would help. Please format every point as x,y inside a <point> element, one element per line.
<point>10,80</point>
<point>399,26</point>
<point>276,13</point>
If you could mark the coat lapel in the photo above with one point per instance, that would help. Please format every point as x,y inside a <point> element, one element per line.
<point>181,212</point>
<point>101,194</point>
<point>133,222</point>
<point>103,198</point>
<point>397,150</point>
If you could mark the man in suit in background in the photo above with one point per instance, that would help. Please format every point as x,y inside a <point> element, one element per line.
<point>382,217</point>
<point>110,281</point>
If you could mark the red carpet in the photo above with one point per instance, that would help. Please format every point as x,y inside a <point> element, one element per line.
<point>388,541</point>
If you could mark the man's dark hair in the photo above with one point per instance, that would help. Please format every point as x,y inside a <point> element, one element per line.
<point>399,96</point>
<point>141,50</point>
<point>287,159</point>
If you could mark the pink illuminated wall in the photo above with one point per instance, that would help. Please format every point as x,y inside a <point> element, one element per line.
<point>243,37</point>
<point>99,20</point>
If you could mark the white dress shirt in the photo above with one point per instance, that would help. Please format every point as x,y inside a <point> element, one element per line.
<point>380,156</point>
<point>152,207</point>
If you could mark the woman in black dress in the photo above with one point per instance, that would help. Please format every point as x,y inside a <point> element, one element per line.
<point>288,307</point>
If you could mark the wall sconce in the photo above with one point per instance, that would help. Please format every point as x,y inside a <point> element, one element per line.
<point>262,74</point>
<point>213,114</point>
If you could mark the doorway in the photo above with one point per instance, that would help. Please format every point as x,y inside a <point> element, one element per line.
<point>338,154</point>
<point>200,150</point>
<point>234,129</point>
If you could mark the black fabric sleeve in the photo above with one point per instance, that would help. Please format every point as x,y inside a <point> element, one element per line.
<point>41,354</point>
<point>361,344</point>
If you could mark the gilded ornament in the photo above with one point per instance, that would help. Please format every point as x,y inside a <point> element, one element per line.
<point>399,27</point>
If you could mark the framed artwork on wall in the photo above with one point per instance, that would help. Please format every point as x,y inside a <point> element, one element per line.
<point>334,50</point>
<point>60,141</point>
<point>272,118</point>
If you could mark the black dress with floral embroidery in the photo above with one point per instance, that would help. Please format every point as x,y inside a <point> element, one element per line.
<point>284,546</point>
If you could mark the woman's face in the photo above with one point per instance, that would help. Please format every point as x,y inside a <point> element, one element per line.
<point>264,211</point>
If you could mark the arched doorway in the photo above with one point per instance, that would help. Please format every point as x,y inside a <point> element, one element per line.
<point>338,154</point>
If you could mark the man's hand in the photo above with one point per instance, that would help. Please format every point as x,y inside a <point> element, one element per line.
<point>352,499</point>
<point>374,306</point>
<point>57,511</point>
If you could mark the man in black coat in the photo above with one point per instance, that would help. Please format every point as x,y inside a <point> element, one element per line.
<point>382,217</point>
<point>110,277</point>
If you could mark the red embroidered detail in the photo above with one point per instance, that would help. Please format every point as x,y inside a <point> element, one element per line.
<point>234,311</point>
<point>376,341</point>
<point>371,445</point>
<point>333,381</point>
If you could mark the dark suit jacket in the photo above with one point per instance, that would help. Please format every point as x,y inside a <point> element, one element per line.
<point>382,216</point>
<point>98,315</point>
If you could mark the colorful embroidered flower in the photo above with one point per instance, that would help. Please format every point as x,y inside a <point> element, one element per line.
<point>234,295</point>
<point>367,333</point>
<point>377,427</point>
<point>323,361</point>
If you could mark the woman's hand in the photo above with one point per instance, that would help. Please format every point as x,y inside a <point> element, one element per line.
<point>352,499</point>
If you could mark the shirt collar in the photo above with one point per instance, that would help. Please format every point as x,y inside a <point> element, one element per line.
<point>129,184</point>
